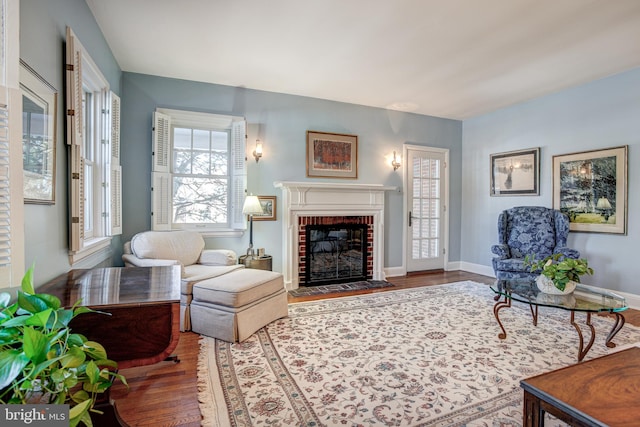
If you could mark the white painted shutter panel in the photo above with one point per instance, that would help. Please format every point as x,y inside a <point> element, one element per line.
<point>75,140</point>
<point>74,89</point>
<point>115,179</point>
<point>160,177</point>
<point>161,142</point>
<point>11,187</point>
<point>239,173</point>
<point>161,201</point>
<point>115,128</point>
<point>115,187</point>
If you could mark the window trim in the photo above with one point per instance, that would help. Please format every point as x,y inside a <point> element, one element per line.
<point>164,120</point>
<point>84,76</point>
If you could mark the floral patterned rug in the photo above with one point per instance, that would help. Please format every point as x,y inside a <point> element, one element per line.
<point>417,357</point>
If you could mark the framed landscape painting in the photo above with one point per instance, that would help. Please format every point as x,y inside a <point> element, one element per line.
<point>268,204</point>
<point>591,188</point>
<point>516,173</point>
<point>332,155</point>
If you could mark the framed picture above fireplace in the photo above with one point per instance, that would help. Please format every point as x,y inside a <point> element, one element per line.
<point>332,155</point>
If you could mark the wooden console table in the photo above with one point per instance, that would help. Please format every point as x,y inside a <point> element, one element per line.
<point>599,392</point>
<point>144,305</point>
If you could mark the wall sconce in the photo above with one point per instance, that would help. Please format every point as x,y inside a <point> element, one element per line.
<point>257,153</point>
<point>396,163</point>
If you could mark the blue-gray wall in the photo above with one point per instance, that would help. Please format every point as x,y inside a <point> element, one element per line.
<point>600,114</point>
<point>281,122</point>
<point>42,41</point>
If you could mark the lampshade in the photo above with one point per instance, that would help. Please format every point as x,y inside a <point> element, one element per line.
<point>252,206</point>
<point>603,203</point>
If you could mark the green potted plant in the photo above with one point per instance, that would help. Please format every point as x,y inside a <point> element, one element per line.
<point>43,361</point>
<point>558,271</point>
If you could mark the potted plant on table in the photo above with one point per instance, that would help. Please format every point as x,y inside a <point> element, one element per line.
<point>43,361</point>
<point>558,274</point>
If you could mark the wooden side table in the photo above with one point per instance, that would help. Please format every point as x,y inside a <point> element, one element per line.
<point>264,262</point>
<point>600,392</point>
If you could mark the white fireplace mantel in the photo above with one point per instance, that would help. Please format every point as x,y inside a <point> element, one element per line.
<point>329,199</point>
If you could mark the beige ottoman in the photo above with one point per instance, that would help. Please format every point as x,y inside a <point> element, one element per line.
<point>231,307</point>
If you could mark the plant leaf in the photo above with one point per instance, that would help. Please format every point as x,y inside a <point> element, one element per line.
<point>5,299</point>
<point>31,303</point>
<point>78,412</point>
<point>27,281</point>
<point>35,345</point>
<point>95,350</point>
<point>12,362</point>
<point>39,319</point>
<point>93,372</point>
<point>73,358</point>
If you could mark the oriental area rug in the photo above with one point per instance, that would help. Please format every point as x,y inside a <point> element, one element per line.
<point>428,356</point>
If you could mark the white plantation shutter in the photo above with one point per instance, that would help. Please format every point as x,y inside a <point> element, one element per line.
<point>161,194</point>
<point>11,189</point>
<point>115,128</point>
<point>239,173</point>
<point>161,142</point>
<point>74,89</point>
<point>5,192</point>
<point>75,139</point>
<point>161,201</point>
<point>115,170</point>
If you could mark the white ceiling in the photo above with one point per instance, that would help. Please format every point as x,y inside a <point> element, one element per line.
<point>445,58</point>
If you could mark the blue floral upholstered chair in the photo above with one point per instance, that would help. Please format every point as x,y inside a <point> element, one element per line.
<point>528,230</point>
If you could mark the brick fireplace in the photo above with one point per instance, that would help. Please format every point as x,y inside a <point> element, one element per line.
<point>304,203</point>
<point>349,257</point>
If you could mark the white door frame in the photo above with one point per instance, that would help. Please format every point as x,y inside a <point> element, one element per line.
<point>405,201</point>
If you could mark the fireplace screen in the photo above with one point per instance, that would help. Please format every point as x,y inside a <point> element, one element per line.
<point>335,253</point>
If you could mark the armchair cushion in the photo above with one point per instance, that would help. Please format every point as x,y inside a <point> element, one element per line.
<point>182,246</point>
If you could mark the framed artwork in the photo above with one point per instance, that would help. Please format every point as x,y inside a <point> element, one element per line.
<point>516,173</point>
<point>591,188</point>
<point>39,101</point>
<point>268,204</point>
<point>332,155</point>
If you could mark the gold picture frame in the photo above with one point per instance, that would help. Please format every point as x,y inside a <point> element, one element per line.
<point>332,155</point>
<point>269,207</point>
<point>591,188</point>
<point>39,109</point>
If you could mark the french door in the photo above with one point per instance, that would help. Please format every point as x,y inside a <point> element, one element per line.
<point>426,208</point>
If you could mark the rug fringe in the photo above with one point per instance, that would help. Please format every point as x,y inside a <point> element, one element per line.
<point>203,385</point>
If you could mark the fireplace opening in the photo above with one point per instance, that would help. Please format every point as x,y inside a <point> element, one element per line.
<point>335,253</point>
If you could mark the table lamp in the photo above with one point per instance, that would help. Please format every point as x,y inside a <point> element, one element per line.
<point>251,207</point>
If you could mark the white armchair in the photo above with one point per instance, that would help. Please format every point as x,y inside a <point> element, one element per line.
<point>184,248</point>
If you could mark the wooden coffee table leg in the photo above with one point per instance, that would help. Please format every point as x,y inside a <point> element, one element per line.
<point>615,329</point>
<point>582,350</point>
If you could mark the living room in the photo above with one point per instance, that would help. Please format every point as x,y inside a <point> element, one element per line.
<point>588,114</point>
<point>595,115</point>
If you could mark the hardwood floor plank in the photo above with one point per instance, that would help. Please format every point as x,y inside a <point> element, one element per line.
<point>166,394</point>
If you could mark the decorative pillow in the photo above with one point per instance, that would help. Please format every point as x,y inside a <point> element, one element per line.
<point>218,257</point>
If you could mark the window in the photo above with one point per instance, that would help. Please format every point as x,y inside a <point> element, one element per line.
<point>199,176</point>
<point>93,126</point>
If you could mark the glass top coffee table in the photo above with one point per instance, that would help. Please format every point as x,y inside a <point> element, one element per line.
<point>587,299</point>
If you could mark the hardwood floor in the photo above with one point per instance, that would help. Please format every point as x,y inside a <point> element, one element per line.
<point>165,394</point>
